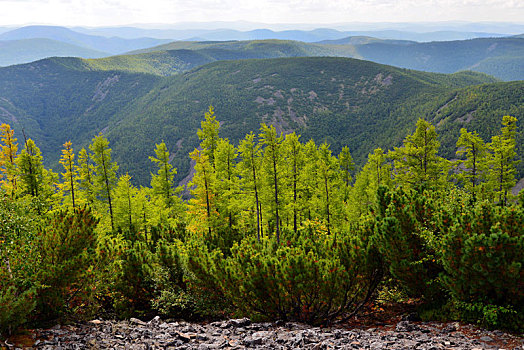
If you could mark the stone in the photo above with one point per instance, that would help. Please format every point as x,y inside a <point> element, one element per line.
<point>137,321</point>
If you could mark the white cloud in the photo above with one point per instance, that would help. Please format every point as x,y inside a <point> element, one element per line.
<point>119,12</point>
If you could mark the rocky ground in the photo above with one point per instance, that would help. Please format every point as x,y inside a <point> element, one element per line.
<point>242,333</point>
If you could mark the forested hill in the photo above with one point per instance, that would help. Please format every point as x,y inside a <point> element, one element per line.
<point>500,57</point>
<point>338,100</point>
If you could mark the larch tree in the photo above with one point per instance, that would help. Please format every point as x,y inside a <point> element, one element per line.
<point>70,171</point>
<point>376,172</point>
<point>294,165</point>
<point>502,162</point>
<point>417,162</point>
<point>105,172</point>
<point>123,197</point>
<point>202,207</point>
<point>85,170</point>
<point>162,182</point>
<point>273,159</point>
<point>348,166</point>
<point>31,169</point>
<point>208,135</point>
<point>472,169</point>
<point>8,154</point>
<point>227,178</point>
<point>328,173</point>
<point>249,168</point>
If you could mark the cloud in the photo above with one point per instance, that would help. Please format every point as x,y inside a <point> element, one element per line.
<point>119,12</point>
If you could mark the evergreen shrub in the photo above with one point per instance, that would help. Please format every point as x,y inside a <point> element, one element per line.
<point>483,261</point>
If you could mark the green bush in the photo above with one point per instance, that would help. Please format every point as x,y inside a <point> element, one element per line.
<point>144,273</point>
<point>405,231</point>
<point>310,276</point>
<point>483,261</point>
<point>66,247</point>
<point>18,264</point>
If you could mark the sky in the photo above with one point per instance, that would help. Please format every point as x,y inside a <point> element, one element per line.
<point>125,12</point>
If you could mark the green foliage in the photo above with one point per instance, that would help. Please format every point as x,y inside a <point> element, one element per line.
<point>18,257</point>
<point>66,248</point>
<point>482,260</point>
<point>307,277</point>
<point>405,228</point>
<point>417,162</point>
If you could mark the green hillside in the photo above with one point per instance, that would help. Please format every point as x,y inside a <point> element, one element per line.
<point>500,57</point>
<point>494,56</point>
<point>339,100</point>
<point>55,100</point>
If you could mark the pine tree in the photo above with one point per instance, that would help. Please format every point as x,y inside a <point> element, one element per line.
<point>8,154</point>
<point>208,135</point>
<point>104,179</point>
<point>502,162</point>
<point>70,174</point>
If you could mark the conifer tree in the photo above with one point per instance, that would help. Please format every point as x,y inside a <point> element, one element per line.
<point>294,164</point>
<point>162,183</point>
<point>104,179</point>
<point>417,162</point>
<point>375,173</point>
<point>70,174</point>
<point>85,170</point>
<point>348,166</point>
<point>226,174</point>
<point>208,135</point>
<point>502,162</point>
<point>31,169</point>
<point>273,158</point>
<point>123,195</point>
<point>474,167</point>
<point>8,154</point>
<point>249,168</point>
<point>202,207</point>
<point>328,172</point>
<point>309,180</point>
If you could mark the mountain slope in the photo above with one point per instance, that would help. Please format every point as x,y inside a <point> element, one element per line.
<point>500,57</point>
<point>29,50</point>
<point>447,57</point>
<point>112,45</point>
<point>54,103</point>
<point>337,100</point>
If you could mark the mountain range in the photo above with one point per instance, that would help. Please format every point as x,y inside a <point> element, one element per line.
<point>341,101</point>
<point>500,57</point>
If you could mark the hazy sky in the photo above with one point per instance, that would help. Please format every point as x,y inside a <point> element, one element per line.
<point>119,12</point>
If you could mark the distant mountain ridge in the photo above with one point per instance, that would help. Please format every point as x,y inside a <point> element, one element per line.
<point>112,45</point>
<point>29,50</point>
<point>500,57</point>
